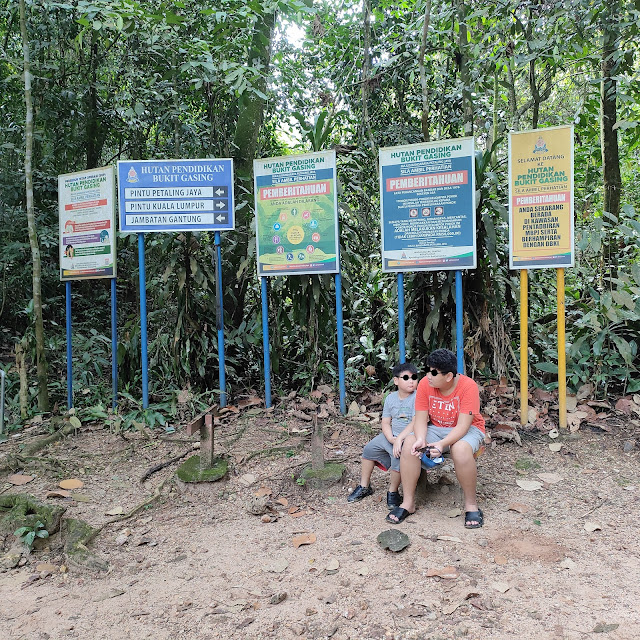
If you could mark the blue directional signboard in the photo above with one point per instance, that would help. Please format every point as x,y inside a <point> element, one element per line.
<point>176,195</point>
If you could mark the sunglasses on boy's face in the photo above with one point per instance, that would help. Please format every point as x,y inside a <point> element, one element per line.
<point>406,376</point>
<point>434,372</point>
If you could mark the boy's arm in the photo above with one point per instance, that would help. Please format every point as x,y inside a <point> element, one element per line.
<point>421,420</point>
<point>397,445</point>
<point>386,429</point>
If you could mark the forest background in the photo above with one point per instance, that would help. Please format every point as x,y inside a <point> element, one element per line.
<point>110,80</point>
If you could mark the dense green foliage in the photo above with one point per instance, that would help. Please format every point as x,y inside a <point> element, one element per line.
<point>120,79</point>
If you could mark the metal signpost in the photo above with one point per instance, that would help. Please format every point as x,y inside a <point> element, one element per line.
<point>86,208</point>
<point>427,196</point>
<point>176,195</point>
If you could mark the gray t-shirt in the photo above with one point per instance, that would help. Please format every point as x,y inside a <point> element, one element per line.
<point>400,411</point>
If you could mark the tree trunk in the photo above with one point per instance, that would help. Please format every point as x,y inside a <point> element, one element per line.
<point>41,360</point>
<point>423,75</point>
<point>245,142</point>
<point>465,76</point>
<point>608,95</point>
<point>366,72</point>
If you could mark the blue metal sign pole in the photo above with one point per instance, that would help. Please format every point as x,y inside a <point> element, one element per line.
<point>401,338</point>
<point>143,322</point>
<point>459,320</point>
<point>340,326</point>
<point>265,342</point>
<point>114,346</point>
<point>67,289</point>
<point>220,321</point>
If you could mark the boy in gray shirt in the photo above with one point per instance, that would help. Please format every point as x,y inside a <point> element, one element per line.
<point>397,423</point>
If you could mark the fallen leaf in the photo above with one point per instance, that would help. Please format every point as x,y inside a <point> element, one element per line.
<point>58,494</point>
<point>17,479</point>
<point>601,627</point>
<point>500,560</point>
<point>283,501</point>
<point>519,507</point>
<point>592,526</point>
<point>46,566</point>
<point>297,514</point>
<point>80,497</point>
<point>502,587</point>
<point>585,391</point>
<point>71,483</point>
<point>574,420</point>
<point>263,491</point>
<point>306,538</point>
<point>332,566</point>
<point>362,571</point>
<point>555,446</point>
<point>292,510</point>
<point>448,573</point>
<point>116,511</point>
<point>529,485</point>
<point>572,402</point>
<point>550,478</point>
<point>449,538</point>
<point>249,402</point>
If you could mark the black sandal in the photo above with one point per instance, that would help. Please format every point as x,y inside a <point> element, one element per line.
<point>473,519</point>
<point>400,513</point>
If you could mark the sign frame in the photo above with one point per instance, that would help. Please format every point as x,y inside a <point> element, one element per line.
<point>286,187</point>
<point>437,179</point>
<point>91,195</point>
<point>176,195</point>
<point>531,197</point>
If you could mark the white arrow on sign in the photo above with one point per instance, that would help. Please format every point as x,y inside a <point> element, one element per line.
<point>220,205</point>
<point>220,218</point>
<point>219,192</point>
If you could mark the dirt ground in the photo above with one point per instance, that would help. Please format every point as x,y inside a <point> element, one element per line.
<point>561,561</point>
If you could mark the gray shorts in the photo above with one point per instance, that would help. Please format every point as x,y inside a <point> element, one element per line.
<point>380,451</point>
<point>474,437</point>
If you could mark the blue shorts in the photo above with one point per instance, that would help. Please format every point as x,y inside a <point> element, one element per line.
<point>474,437</point>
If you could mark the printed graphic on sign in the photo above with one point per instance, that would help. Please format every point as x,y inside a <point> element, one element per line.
<point>427,192</point>
<point>176,195</point>
<point>541,198</point>
<point>86,206</point>
<point>296,197</point>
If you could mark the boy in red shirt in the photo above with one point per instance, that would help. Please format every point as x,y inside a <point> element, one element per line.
<point>447,418</point>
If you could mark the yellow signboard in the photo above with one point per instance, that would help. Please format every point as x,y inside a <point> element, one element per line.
<point>541,198</point>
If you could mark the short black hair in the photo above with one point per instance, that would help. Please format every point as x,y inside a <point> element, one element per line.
<point>443,360</point>
<point>404,366</point>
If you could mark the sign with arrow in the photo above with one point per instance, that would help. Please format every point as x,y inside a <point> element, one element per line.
<point>176,195</point>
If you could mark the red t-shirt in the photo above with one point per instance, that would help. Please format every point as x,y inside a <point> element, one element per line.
<point>445,410</point>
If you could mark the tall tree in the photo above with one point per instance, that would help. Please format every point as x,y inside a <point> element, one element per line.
<point>41,358</point>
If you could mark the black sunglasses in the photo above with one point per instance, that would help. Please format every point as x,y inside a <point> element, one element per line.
<point>413,376</point>
<point>434,372</point>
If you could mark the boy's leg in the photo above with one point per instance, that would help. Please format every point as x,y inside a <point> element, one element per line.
<point>410,473</point>
<point>394,481</point>
<point>365,472</point>
<point>466,472</point>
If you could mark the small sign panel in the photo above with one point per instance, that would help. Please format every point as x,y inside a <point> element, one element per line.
<point>176,195</point>
<point>86,209</point>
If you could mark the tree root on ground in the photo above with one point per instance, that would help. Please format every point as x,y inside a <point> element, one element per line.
<point>158,467</point>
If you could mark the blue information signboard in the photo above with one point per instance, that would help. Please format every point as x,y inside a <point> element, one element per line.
<point>176,195</point>
<point>427,195</point>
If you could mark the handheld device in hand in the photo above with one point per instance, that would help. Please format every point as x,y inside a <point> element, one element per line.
<point>428,461</point>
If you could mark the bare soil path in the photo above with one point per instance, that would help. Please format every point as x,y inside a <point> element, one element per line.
<point>559,562</point>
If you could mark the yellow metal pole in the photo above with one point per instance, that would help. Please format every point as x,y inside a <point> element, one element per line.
<point>524,347</point>
<point>562,353</point>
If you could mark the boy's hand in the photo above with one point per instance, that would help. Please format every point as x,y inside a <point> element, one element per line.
<point>418,447</point>
<point>435,449</point>
<point>397,447</point>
